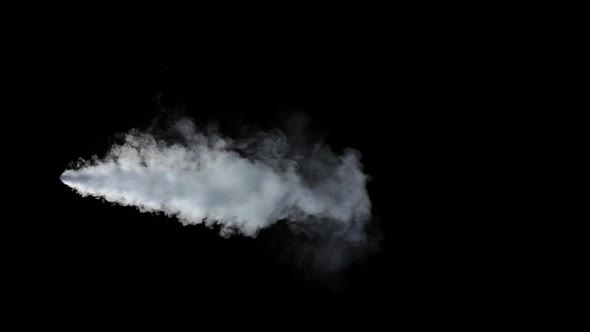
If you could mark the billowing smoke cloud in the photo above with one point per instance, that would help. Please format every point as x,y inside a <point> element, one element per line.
<point>242,185</point>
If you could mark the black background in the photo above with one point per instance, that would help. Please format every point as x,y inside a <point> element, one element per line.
<point>419,99</point>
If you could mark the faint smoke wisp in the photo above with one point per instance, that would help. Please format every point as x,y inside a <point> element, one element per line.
<point>241,185</point>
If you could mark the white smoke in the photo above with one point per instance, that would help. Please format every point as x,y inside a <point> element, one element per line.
<point>242,185</point>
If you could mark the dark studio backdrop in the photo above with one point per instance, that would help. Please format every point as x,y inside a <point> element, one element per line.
<point>415,100</point>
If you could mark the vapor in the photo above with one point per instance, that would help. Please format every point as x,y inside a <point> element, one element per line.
<point>242,185</point>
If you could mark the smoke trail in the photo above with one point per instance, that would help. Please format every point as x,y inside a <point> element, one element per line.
<point>242,185</point>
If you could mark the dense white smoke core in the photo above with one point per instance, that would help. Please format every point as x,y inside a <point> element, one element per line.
<point>242,185</point>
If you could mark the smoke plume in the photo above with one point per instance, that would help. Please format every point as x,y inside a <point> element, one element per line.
<point>242,185</point>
